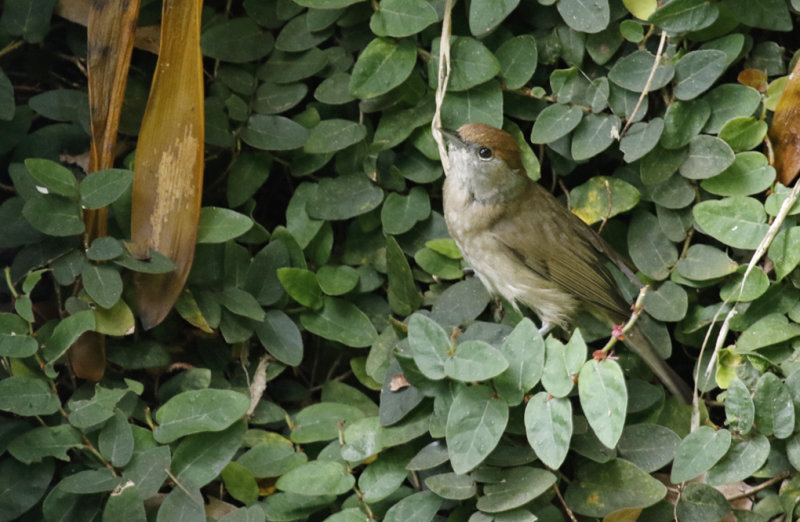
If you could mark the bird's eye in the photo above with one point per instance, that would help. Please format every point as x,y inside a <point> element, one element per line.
<point>485,153</point>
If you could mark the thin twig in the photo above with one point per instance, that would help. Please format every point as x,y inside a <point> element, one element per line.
<point>441,88</point>
<point>723,332</point>
<point>637,311</point>
<point>646,85</point>
<point>570,514</point>
<point>755,489</point>
<point>178,483</point>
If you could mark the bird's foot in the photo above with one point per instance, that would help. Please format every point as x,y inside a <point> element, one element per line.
<point>545,329</point>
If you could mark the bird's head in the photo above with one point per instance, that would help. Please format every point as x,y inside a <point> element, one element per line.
<point>485,161</point>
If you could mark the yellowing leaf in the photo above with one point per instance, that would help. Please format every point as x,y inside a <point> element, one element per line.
<point>168,175</point>
<point>784,133</point>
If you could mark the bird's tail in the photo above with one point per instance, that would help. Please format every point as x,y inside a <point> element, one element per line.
<point>636,340</point>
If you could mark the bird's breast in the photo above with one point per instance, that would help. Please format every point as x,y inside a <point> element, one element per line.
<point>501,271</point>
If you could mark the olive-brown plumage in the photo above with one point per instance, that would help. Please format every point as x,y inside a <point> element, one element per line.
<point>526,246</point>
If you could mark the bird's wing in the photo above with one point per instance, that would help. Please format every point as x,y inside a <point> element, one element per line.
<point>557,245</point>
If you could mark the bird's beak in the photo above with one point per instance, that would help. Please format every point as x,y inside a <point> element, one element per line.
<point>452,136</point>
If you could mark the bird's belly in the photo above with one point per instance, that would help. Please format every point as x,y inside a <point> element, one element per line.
<point>507,276</point>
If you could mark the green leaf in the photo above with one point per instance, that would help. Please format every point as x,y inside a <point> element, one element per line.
<point>650,249</point>
<point>196,411</point>
<point>54,215</point>
<point>518,487</point>
<point>242,486</point>
<point>384,476</point>
<point>631,72</point>
<point>400,213</point>
<point>524,351</point>
<point>703,262</point>
<point>485,15</point>
<point>420,507</point>
<point>700,450</point>
<point>334,90</point>
<point>22,486</point>
<point>218,225</point>
<point>344,197</point>
<point>334,135</point>
<point>756,285</point>
<point>548,426</point>
<point>182,505</point>
<point>739,408</point>
<point>29,19</point>
<point>53,177</point>
<point>340,321</point>
<point>237,40</point>
<point>248,173</point>
<point>474,361</point>
<point>683,121</point>
<point>481,104</point>
<point>697,71</point>
<point>66,333</point>
<point>471,63</point>
<point>602,197</point>
<point>728,101</point>
<point>296,36</point>
<point>737,221</point>
<point>27,396</point>
<point>103,284</point>
<point>430,345</point>
<point>744,458</point>
<point>403,295</point>
<point>767,14</point>
<point>317,478</point>
<point>272,458</point>
<point>125,505</point>
<point>702,502</point>
<point>585,16</point>
<point>475,423</point>
<point>668,302</point>
<point>743,133</point>
<point>268,132</point>
<point>562,364</point>
<point>708,156</point>
<point>45,441</point>
<point>383,65</point>
<point>103,187</point>
<point>438,264</point>
<point>604,399</point>
<point>593,135</point>
<point>641,138</point>
<point>90,481</point>
<point>272,98</point>
<point>518,58</point>
<point>85,413</point>
<point>148,469</point>
<point>399,18</point>
<point>115,441</point>
<point>104,249</point>
<point>648,446</point>
<point>774,409</point>
<point>750,173</point>
<point>452,486</point>
<point>301,285</point>
<point>18,346</point>
<point>681,16</point>
<point>785,251</point>
<point>602,488</point>
<point>554,122</point>
<point>280,336</point>
<point>200,458</point>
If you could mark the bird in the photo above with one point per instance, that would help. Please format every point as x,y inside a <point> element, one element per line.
<point>528,248</point>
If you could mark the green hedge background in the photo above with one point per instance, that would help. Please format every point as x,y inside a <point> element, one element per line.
<point>331,359</point>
